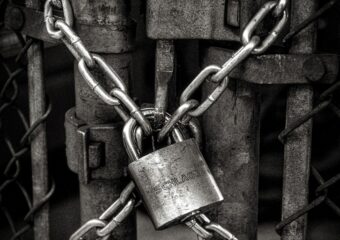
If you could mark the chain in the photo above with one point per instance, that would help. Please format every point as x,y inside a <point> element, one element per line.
<point>209,228</point>
<point>118,96</point>
<point>251,44</point>
<point>189,108</point>
<point>107,222</point>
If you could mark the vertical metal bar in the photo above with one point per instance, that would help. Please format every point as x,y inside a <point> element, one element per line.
<point>165,61</point>
<point>297,149</point>
<point>231,130</point>
<point>105,28</point>
<point>36,93</point>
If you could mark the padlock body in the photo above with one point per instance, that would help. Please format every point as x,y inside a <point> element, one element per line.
<point>175,182</point>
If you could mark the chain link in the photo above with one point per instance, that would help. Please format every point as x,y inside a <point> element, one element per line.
<point>50,20</point>
<point>209,228</point>
<point>117,97</point>
<point>251,45</point>
<point>248,31</point>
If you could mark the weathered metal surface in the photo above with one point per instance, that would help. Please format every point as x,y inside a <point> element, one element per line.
<point>36,93</point>
<point>116,31</point>
<point>203,19</point>
<point>94,151</point>
<point>232,13</point>
<point>100,186</point>
<point>40,179</point>
<point>165,84</point>
<point>174,182</point>
<point>231,130</point>
<point>281,68</point>
<point>297,150</point>
<point>104,26</point>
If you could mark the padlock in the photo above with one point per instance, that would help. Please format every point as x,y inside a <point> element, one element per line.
<point>174,182</point>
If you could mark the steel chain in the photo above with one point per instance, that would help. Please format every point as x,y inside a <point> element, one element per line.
<point>206,229</point>
<point>17,150</point>
<point>117,97</point>
<point>252,44</point>
<point>107,222</point>
<point>189,108</point>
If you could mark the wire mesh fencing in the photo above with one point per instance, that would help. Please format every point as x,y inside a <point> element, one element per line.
<point>16,149</point>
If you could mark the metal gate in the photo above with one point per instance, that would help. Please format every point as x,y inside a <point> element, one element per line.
<point>294,66</point>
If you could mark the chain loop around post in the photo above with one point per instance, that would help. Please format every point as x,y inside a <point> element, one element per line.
<point>248,31</point>
<point>50,20</point>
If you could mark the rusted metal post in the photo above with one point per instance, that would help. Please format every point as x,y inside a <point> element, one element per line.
<point>231,128</point>
<point>297,150</point>
<point>36,93</point>
<point>106,29</point>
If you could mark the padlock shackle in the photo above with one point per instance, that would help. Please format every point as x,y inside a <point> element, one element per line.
<point>130,138</point>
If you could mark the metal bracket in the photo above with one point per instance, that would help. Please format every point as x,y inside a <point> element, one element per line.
<point>94,151</point>
<point>28,21</point>
<point>280,68</point>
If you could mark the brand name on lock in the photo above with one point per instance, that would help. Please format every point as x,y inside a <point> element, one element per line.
<point>175,181</point>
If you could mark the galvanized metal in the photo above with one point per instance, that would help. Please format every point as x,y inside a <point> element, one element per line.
<point>297,149</point>
<point>231,150</point>
<point>37,108</point>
